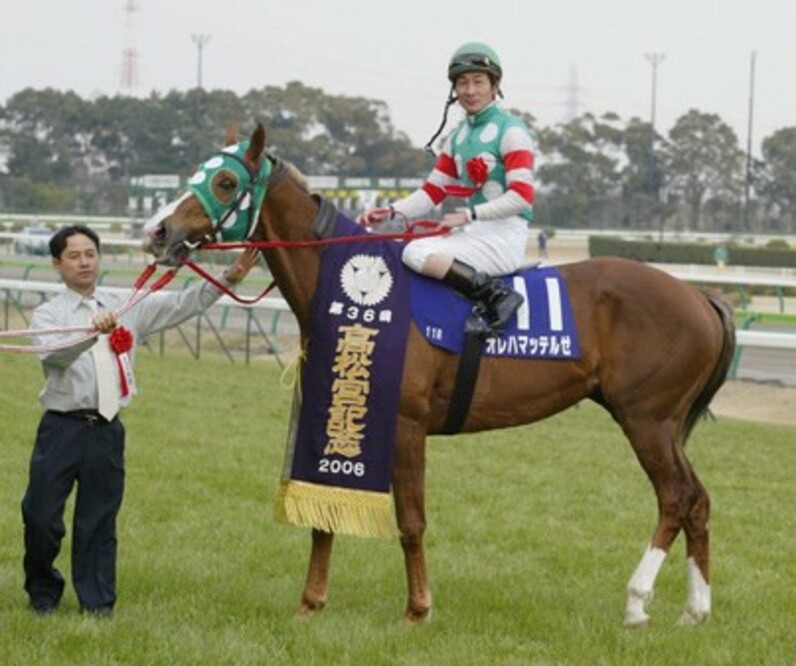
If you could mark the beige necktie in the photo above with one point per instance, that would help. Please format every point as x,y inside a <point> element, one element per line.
<point>107,373</point>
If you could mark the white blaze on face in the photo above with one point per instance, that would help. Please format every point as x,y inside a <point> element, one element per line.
<point>155,221</point>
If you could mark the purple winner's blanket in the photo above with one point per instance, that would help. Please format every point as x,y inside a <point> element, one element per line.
<point>338,465</point>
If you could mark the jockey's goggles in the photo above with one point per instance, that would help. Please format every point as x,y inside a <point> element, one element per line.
<point>474,62</point>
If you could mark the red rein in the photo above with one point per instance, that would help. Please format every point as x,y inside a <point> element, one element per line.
<point>435,230</point>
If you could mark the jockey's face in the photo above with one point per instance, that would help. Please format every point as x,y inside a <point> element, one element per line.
<point>475,91</point>
<point>79,264</point>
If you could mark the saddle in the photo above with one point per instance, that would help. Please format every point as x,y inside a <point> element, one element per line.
<point>543,327</point>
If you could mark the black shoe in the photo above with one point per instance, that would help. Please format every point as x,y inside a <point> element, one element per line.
<point>502,309</point>
<point>43,609</point>
<point>494,301</point>
<point>98,611</point>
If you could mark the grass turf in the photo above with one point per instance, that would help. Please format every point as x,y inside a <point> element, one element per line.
<point>533,534</point>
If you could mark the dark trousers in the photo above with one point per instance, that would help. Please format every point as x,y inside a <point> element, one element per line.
<point>70,450</point>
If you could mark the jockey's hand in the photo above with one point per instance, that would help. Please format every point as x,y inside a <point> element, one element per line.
<point>104,322</point>
<point>456,219</point>
<point>243,264</point>
<point>374,216</point>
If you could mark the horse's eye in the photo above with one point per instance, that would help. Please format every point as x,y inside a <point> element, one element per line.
<point>225,185</point>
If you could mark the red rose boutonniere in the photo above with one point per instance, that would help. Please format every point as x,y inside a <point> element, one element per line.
<point>477,171</point>
<point>121,341</point>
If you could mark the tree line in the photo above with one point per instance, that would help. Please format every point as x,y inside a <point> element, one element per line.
<point>69,154</point>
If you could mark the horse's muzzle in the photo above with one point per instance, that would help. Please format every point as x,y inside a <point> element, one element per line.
<point>165,252</point>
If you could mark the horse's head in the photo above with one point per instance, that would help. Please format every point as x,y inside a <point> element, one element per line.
<point>224,197</point>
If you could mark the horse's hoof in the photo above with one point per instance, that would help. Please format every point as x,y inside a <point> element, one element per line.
<point>637,621</point>
<point>415,618</point>
<point>692,617</point>
<point>635,611</point>
<point>308,610</point>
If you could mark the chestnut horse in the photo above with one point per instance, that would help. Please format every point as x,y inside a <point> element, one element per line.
<point>654,352</point>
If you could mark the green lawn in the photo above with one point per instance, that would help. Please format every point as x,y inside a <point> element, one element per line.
<point>533,534</point>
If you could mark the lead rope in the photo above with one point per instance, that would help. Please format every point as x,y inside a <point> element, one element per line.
<point>87,332</point>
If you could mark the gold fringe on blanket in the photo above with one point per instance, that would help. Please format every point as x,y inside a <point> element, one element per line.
<point>360,513</point>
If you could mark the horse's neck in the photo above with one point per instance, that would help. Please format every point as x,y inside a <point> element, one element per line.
<point>288,214</point>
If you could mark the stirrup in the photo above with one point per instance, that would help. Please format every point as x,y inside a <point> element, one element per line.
<point>511,301</point>
<point>477,324</point>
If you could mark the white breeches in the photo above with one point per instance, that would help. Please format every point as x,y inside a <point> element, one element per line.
<point>496,247</point>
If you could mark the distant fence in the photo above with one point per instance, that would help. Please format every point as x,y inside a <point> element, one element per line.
<point>739,277</point>
<point>128,248</point>
<point>766,339</point>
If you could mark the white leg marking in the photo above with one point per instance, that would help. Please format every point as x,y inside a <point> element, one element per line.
<point>639,589</point>
<point>697,606</point>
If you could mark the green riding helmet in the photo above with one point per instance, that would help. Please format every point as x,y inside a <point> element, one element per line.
<point>474,57</point>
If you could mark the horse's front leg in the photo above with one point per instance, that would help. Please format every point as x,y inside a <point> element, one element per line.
<point>409,494</point>
<point>313,599</point>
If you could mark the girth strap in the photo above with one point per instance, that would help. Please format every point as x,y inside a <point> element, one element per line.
<point>476,332</point>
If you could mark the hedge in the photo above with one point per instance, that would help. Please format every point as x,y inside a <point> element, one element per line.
<point>689,253</point>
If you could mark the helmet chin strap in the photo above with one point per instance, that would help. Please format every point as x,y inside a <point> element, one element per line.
<point>452,98</point>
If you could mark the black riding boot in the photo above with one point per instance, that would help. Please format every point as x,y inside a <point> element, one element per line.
<point>498,302</point>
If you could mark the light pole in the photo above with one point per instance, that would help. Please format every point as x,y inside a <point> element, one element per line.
<point>200,41</point>
<point>748,177</point>
<point>655,59</point>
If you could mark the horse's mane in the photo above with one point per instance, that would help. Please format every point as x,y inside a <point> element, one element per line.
<point>298,176</point>
<point>292,171</point>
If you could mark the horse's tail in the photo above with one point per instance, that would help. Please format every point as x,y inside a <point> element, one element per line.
<point>725,312</point>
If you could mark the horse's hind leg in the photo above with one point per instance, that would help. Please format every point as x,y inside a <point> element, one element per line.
<point>682,504</point>
<point>313,599</point>
<point>697,605</point>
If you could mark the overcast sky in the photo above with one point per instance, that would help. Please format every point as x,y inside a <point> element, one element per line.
<point>558,55</point>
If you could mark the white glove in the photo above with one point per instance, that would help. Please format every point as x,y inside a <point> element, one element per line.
<point>375,216</point>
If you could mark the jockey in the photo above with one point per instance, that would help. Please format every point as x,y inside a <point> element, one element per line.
<point>487,160</point>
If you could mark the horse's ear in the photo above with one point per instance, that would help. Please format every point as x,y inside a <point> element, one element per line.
<point>256,145</point>
<point>231,137</point>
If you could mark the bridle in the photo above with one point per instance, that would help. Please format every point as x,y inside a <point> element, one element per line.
<point>236,220</point>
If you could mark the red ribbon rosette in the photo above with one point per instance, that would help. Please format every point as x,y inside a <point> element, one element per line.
<point>121,342</point>
<point>477,171</point>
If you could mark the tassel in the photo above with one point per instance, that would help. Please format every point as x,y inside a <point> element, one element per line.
<point>337,510</point>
